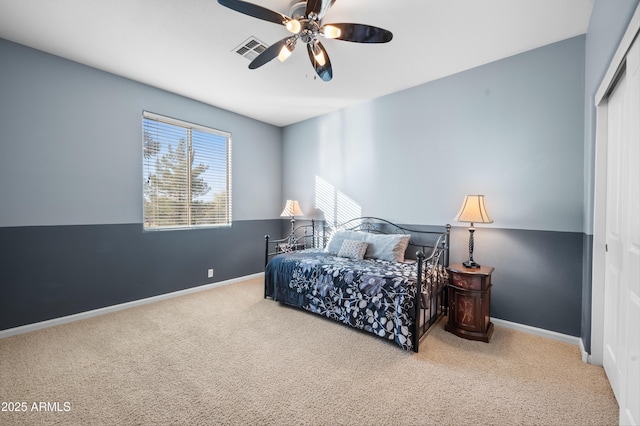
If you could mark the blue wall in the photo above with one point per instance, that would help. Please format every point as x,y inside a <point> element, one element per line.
<point>511,130</point>
<point>71,236</point>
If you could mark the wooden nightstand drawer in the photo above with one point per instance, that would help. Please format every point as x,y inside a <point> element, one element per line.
<point>470,282</point>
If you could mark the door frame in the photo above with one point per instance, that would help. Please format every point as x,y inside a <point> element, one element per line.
<point>600,187</point>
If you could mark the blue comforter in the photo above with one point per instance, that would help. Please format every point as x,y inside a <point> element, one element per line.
<point>370,294</point>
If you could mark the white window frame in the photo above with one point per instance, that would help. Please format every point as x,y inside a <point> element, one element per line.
<point>148,220</point>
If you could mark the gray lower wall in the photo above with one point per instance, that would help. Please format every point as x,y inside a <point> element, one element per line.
<point>537,279</point>
<point>587,269</point>
<point>54,271</point>
<point>538,274</point>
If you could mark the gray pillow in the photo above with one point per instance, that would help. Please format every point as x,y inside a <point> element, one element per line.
<point>389,247</point>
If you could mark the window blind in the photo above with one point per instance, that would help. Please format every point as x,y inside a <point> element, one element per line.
<point>186,174</point>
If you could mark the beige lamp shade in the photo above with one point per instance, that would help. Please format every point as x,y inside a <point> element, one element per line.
<point>292,208</point>
<point>473,210</point>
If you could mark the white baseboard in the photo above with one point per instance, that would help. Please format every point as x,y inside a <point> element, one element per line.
<point>540,332</point>
<point>101,311</point>
<point>586,356</point>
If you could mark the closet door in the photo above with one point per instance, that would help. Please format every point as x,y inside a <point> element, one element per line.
<point>630,386</point>
<point>621,339</point>
<point>614,324</point>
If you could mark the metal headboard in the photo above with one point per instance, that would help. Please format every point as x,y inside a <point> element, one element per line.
<point>430,242</point>
<point>317,234</point>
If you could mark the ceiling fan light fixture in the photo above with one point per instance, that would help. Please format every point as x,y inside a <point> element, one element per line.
<point>293,26</point>
<point>284,54</point>
<point>318,55</point>
<point>286,50</point>
<point>330,31</point>
<point>305,23</point>
<point>288,47</point>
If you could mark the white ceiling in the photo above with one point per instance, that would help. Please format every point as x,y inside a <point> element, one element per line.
<point>187,46</point>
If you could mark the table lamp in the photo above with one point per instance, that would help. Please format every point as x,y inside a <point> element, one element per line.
<point>473,211</point>
<point>292,208</point>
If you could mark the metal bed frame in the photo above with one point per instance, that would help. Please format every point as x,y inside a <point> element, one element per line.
<point>432,248</point>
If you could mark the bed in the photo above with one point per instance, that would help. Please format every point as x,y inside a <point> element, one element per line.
<point>367,273</point>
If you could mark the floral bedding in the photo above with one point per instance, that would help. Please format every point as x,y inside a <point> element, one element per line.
<point>374,295</point>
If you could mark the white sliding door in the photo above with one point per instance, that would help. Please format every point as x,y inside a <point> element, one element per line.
<point>629,389</point>
<point>616,279</point>
<point>621,334</point>
<point>614,318</point>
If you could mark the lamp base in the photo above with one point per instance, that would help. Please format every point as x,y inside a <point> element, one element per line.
<point>471,264</point>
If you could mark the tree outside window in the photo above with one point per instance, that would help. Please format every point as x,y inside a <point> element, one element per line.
<point>187,174</point>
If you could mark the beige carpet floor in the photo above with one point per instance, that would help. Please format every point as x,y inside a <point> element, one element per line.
<point>227,356</point>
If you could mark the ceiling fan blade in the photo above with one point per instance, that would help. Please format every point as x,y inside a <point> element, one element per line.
<point>319,7</point>
<point>361,33</point>
<point>268,54</point>
<point>324,71</point>
<point>311,7</point>
<point>255,11</point>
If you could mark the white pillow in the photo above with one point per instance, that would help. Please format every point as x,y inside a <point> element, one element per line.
<point>353,249</point>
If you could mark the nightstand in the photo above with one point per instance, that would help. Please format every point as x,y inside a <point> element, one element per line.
<point>469,292</point>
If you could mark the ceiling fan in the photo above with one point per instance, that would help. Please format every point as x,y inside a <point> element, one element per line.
<point>308,28</point>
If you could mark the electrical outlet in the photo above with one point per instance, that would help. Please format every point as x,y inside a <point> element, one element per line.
<point>210,273</point>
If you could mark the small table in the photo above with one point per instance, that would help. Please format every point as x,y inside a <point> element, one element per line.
<point>470,302</point>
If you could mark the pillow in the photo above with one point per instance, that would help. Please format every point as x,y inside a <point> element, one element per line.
<point>335,243</point>
<point>389,247</point>
<point>353,249</point>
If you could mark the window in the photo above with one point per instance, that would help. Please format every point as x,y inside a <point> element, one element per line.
<point>186,174</point>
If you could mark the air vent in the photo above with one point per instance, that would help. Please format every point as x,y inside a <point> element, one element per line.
<point>250,48</point>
